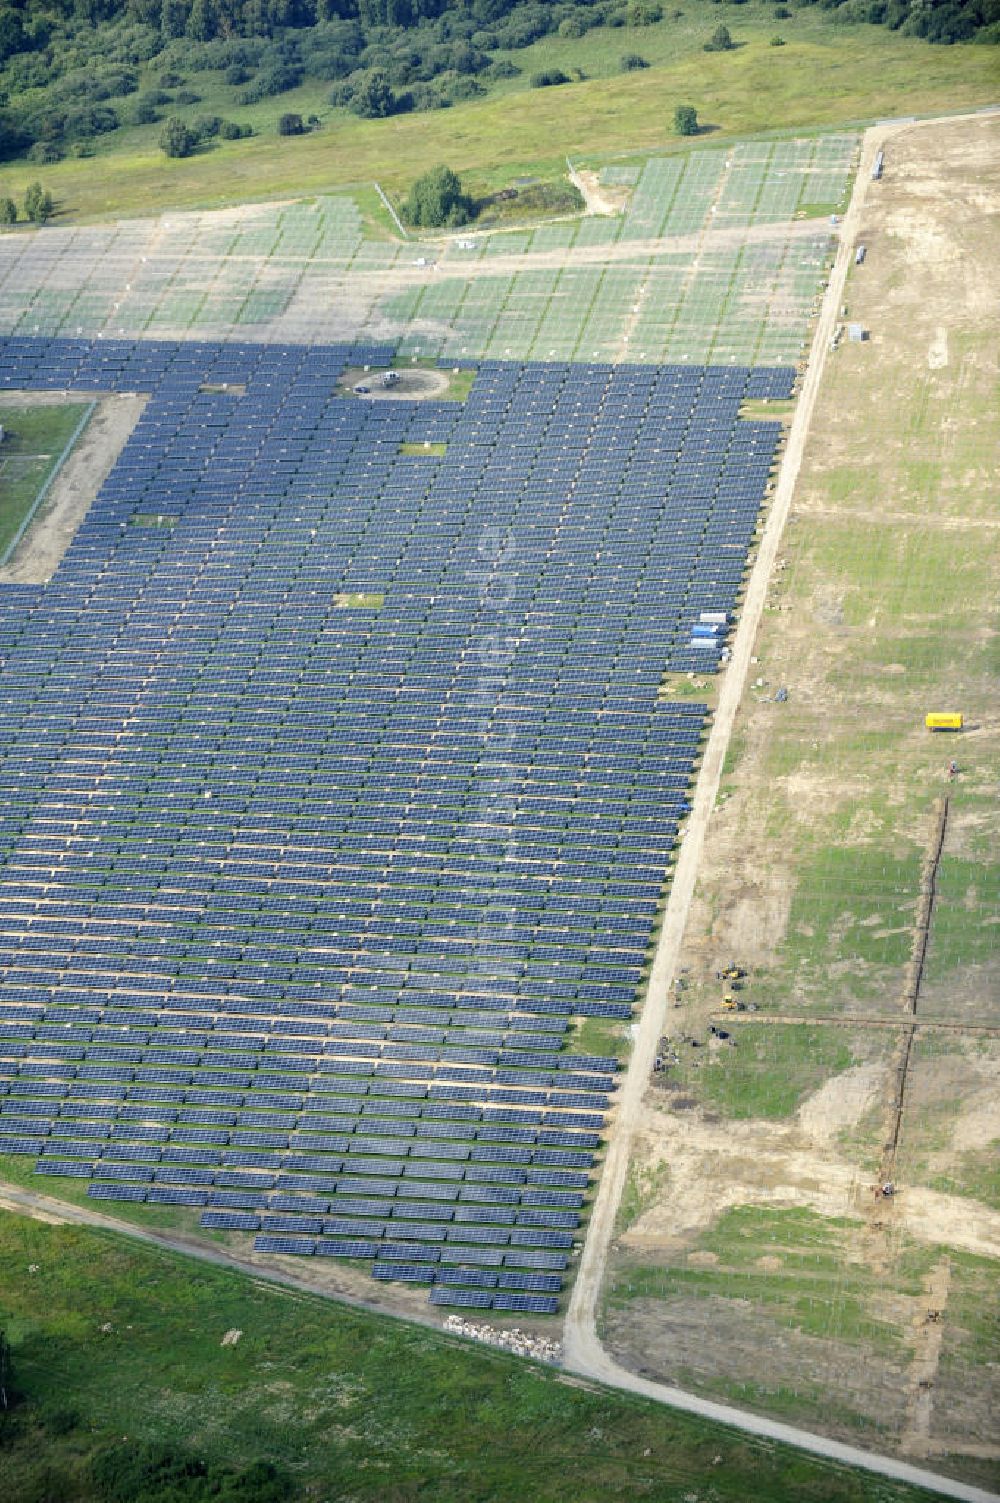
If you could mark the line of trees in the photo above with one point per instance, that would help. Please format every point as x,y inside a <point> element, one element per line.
<point>39,206</point>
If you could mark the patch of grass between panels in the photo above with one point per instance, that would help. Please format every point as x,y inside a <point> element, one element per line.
<point>153,519</point>
<point>426,450</point>
<point>371,600</point>
<point>34,443</point>
<point>111,1340</point>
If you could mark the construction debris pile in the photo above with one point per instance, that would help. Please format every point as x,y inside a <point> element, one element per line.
<point>521,1343</point>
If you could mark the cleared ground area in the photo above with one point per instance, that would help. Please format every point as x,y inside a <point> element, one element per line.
<point>716,257</point>
<point>851,872</point>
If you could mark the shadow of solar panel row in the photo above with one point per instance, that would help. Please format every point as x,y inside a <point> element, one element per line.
<point>338,781</point>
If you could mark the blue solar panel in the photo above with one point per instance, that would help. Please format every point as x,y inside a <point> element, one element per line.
<point>291,889</point>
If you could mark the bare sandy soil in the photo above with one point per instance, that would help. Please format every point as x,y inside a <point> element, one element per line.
<point>418,384</point>
<point>74,488</point>
<point>897,465</point>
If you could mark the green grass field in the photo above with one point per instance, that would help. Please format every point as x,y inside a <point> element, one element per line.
<point>825,75</point>
<point>118,1346</point>
<point>33,444</point>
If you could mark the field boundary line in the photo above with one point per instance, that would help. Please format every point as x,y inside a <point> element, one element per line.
<point>395,217</point>
<point>583,1351</point>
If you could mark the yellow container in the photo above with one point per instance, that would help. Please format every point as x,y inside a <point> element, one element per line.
<point>943,722</point>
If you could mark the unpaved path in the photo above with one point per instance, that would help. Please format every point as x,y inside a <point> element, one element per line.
<point>597,199</point>
<point>582,1348</point>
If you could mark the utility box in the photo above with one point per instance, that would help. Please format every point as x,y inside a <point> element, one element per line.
<point>943,722</point>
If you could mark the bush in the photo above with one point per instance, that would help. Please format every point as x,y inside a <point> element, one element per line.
<point>777,41</point>
<point>229,130</point>
<point>373,98</point>
<point>685,120</point>
<point>206,127</point>
<point>291,125</point>
<point>176,140</point>
<point>171,80</point>
<point>572,27</point>
<point>549,78</point>
<point>720,40</point>
<point>143,112</point>
<point>277,79</point>
<point>237,74</point>
<point>91,120</point>
<point>781,13</point>
<point>187,96</point>
<point>437,199</point>
<point>45,151</point>
<point>630,62</point>
<point>641,14</point>
<point>38,204</point>
<point>130,1473</point>
<point>502,68</point>
<point>8,211</point>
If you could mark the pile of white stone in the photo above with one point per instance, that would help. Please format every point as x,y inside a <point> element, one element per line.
<point>521,1343</point>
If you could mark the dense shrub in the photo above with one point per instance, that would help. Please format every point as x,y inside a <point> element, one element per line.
<point>156,1473</point>
<point>630,62</point>
<point>176,140</point>
<point>278,78</point>
<point>8,211</point>
<point>549,78</point>
<point>230,130</point>
<point>291,125</point>
<point>38,204</point>
<point>143,111</point>
<point>720,40</point>
<point>437,199</point>
<point>685,120</point>
<point>205,127</point>
<point>373,97</point>
<point>90,120</point>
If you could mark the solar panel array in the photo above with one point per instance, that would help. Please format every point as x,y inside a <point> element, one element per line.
<point>337,781</point>
<point>674,277</point>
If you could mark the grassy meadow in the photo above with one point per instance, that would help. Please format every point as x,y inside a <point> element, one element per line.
<point>824,75</point>
<point>116,1348</point>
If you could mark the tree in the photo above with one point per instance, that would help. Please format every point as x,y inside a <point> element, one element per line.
<point>720,40</point>
<point>38,204</point>
<point>173,19</point>
<point>8,211</point>
<point>685,120</point>
<point>437,199</point>
<point>175,139</point>
<point>290,125</point>
<point>203,21</point>
<point>373,98</point>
